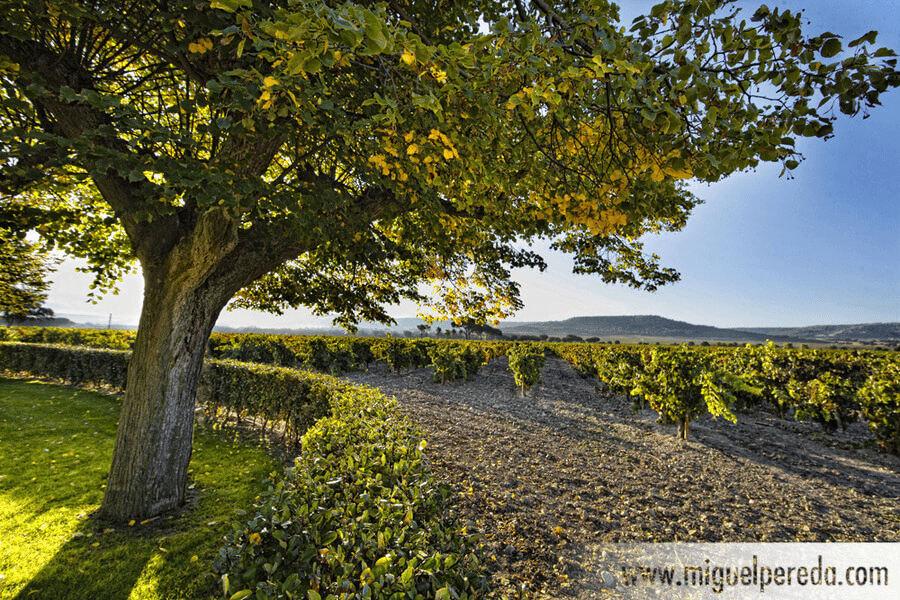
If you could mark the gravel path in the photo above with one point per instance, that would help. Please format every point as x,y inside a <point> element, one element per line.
<point>550,478</point>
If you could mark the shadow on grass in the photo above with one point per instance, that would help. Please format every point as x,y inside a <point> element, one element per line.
<point>90,568</point>
<point>55,448</point>
<point>129,563</point>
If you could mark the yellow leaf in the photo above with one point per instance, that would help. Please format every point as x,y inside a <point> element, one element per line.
<point>131,523</point>
<point>412,149</point>
<point>441,76</point>
<point>255,539</point>
<point>408,58</point>
<point>195,558</point>
<point>367,576</point>
<point>448,153</point>
<point>270,82</point>
<point>200,46</point>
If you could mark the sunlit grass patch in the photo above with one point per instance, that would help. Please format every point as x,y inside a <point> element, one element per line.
<point>55,450</point>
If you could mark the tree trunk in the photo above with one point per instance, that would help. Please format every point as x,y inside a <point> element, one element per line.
<point>185,289</point>
<point>155,433</point>
<point>683,424</point>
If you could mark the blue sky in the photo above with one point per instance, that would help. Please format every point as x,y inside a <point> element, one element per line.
<point>822,248</point>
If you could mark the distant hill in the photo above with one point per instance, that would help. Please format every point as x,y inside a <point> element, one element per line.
<point>649,328</point>
<point>656,328</point>
<point>643,326</point>
<point>885,332</point>
<point>46,322</point>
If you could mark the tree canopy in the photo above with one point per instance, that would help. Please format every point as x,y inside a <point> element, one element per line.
<point>340,155</point>
<point>374,146</point>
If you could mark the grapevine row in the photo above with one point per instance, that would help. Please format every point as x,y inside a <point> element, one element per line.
<point>452,359</point>
<point>831,388</point>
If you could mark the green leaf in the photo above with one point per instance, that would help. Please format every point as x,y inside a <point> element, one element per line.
<point>374,28</point>
<point>384,561</point>
<point>241,595</point>
<point>313,65</point>
<point>230,5</point>
<point>407,574</point>
<point>831,47</point>
<point>295,63</point>
<point>868,38</point>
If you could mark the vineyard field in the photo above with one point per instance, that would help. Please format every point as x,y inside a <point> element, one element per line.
<point>831,387</point>
<point>552,478</point>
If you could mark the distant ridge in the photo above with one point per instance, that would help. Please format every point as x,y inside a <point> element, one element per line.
<point>655,328</point>
<point>651,328</point>
<point>827,333</point>
<point>640,326</point>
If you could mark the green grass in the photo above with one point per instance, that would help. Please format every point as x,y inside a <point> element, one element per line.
<point>55,450</point>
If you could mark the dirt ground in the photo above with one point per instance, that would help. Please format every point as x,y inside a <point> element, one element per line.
<point>550,478</point>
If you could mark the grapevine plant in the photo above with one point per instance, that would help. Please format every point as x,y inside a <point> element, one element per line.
<point>526,362</point>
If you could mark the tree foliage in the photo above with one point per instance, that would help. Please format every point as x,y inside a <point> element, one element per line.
<point>23,280</point>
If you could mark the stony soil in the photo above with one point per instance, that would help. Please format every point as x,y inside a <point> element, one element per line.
<point>551,478</point>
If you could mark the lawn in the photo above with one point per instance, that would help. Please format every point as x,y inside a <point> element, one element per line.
<point>55,450</point>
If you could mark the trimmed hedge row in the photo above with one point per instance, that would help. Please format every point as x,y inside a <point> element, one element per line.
<point>332,355</point>
<point>74,365</point>
<point>358,516</point>
<point>341,354</point>
<point>295,398</point>
<point>113,339</point>
<point>273,394</point>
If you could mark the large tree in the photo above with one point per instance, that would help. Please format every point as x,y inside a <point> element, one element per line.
<point>337,155</point>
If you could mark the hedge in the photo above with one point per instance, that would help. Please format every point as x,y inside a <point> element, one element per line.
<point>359,516</point>
<point>273,394</point>
<point>113,339</point>
<point>295,398</point>
<point>74,365</point>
